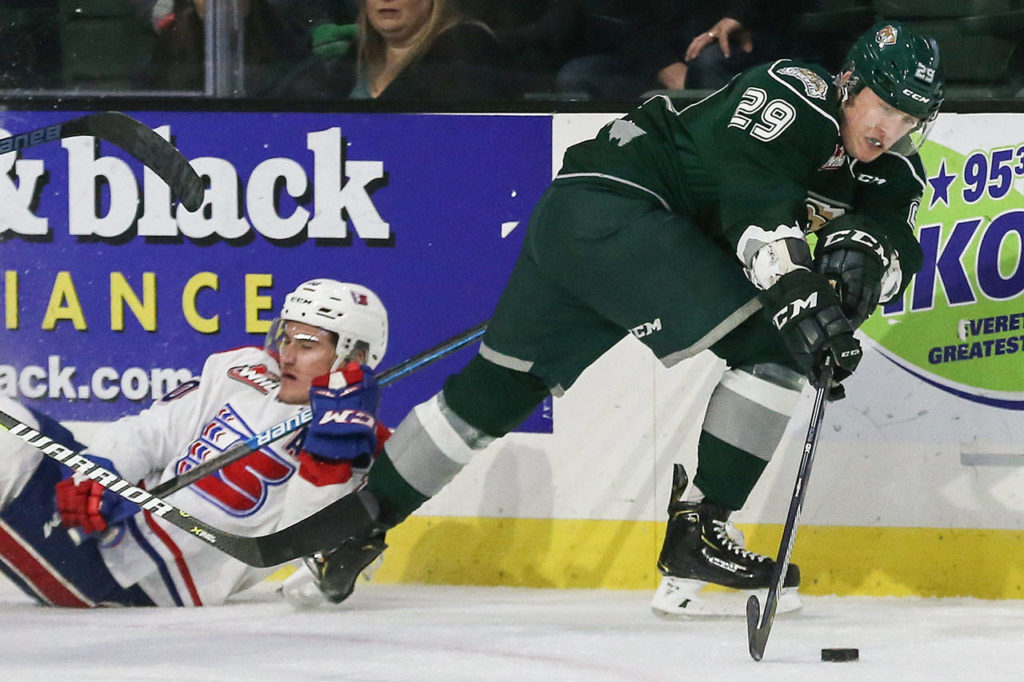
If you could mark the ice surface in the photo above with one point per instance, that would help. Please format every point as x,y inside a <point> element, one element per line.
<point>410,633</point>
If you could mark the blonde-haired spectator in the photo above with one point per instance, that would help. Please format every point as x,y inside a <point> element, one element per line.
<point>424,50</point>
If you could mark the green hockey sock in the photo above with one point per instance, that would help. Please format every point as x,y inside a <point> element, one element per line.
<point>726,474</point>
<point>397,498</point>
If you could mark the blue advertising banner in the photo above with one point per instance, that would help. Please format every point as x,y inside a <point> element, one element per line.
<point>113,294</point>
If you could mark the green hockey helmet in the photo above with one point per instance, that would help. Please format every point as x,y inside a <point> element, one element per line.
<point>903,68</point>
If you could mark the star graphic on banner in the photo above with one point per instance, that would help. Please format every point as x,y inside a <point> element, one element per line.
<point>940,185</point>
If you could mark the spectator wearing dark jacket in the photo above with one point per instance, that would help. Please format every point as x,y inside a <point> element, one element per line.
<point>411,50</point>
<point>599,48</point>
<point>716,43</point>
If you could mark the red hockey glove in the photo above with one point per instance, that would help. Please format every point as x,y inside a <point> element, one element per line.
<point>87,504</point>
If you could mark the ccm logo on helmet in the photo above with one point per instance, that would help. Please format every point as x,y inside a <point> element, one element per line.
<point>913,95</point>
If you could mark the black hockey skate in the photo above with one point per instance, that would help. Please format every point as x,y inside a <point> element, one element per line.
<point>338,569</point>
<point>703,548</point>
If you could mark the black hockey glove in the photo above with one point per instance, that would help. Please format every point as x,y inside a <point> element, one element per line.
<point>855,260</point>
<point>806,311</point>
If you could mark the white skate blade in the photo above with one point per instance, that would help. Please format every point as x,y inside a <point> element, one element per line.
<point>683,599</point>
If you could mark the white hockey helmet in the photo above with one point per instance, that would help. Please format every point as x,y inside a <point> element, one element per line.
<point>353,312</point>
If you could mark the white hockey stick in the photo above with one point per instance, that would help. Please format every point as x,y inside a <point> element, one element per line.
<point>336,522</point>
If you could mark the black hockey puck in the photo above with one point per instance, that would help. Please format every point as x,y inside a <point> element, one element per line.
<point>839,655</point>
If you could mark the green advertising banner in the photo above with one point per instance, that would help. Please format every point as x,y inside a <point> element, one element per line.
<point>960,325</point>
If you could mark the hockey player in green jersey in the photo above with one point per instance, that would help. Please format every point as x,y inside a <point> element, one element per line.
<point>692,224</point>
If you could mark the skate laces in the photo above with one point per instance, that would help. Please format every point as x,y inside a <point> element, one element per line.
<point>735,534</point>
<point>731,539</point>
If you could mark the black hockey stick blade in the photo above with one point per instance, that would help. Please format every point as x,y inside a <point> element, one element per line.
<point>757,637</point>
<point>142,142</point>
<point>139,140</point>
<point>348,516</point>
<point>244,448</point>
<point>757,632</point>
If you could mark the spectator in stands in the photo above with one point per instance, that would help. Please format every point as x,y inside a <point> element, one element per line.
<point>535,52</point>
<point>423,49</point>
<point>716,43</point>
<point>620,59</point>
<point>272,47</point>
<point>597,48</point>
<point>618,49</point>
<point>30,52</point>
<point>411,50</point>
<point>156,14</point>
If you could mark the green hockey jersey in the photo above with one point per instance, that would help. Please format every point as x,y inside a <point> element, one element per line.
<point>765,150</point>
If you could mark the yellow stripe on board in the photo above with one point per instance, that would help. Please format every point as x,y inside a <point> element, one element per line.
<point>523,552</point>
<point>927,562</point>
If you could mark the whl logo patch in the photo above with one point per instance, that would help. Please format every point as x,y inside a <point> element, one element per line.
<point>256,376</point>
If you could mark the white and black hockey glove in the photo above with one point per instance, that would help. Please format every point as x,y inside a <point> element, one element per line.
<point>863,266</point>
<point>805,309</point>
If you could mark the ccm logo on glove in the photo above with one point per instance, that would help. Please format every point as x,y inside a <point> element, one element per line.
<point>344,406</point>
<point>841,237</point>
<point>793,309</point>
<point>347,417</point>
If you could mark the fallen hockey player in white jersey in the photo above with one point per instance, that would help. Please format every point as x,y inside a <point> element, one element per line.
<point>329,337</point>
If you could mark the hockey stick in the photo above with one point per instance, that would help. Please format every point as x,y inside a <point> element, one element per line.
<point>139,140</point>
<point>292,424</point>
<point>345,517</point>
<point>757,634</point>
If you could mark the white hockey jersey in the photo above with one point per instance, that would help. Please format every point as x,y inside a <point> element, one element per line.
<point>234,398</point>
